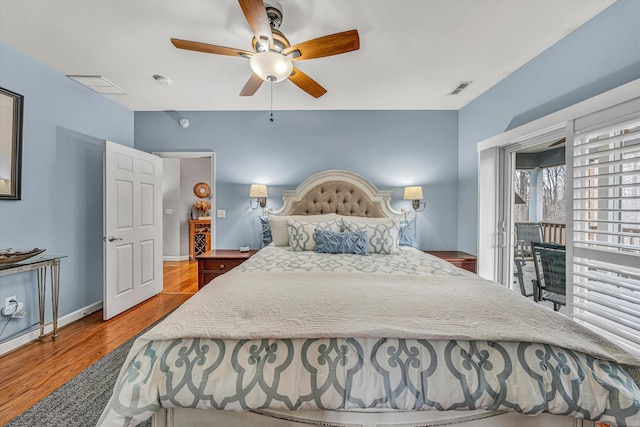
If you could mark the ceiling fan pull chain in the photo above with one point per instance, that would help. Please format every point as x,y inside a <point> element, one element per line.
<point>271,116</point>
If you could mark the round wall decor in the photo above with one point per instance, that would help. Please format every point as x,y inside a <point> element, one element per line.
<point>202,190</point>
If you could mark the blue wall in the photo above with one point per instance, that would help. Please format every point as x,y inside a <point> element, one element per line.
<point>602,54</point>
<point>61,206</point>
<point>390,148</point>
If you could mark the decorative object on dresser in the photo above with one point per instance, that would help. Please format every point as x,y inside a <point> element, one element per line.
<point>415,195</point>
<point>10,256</point>
<point>215,263</point>
<point>199,237</point>
<point>259,193</point>
<point>457,258</point>
<point>203,207</point>
<point>10,144</point>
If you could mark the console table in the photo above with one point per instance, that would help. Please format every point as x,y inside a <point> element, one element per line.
<point>39,264</point>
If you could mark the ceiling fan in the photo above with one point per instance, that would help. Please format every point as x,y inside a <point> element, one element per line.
<point>273,56</point>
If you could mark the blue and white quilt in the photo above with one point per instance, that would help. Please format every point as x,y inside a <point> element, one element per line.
<point>302,330</point>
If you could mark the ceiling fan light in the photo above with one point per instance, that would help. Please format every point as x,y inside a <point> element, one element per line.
<point>271,66</point>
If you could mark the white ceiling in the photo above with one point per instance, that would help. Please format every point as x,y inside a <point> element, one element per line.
<point>412,52</point>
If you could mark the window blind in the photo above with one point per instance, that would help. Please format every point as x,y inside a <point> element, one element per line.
<point>606,229</point>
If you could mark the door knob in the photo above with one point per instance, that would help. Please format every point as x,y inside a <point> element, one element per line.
<point>113,239</point>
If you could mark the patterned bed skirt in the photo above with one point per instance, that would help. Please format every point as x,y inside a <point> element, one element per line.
<point>368,373</point>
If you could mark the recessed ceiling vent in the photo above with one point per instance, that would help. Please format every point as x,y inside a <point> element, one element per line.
<point>98,84</point>
<point>460,88</point>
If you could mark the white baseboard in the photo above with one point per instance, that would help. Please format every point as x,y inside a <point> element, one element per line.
<point>64,320</point>
<point>176,258</point>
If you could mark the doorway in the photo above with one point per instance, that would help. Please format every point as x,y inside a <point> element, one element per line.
<point>187,177</point>
<point>538,211</point>
<point>182,172</point>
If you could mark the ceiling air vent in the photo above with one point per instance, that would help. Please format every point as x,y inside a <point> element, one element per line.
<point>98,84</point>
<point>460,88</point>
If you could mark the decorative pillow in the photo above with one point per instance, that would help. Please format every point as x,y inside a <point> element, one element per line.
<point>407,232</point>
<point>349,242</point>
<point>266,230</point>
<point>301,233</point>
<point>382,234</point>
<point>280,230</point>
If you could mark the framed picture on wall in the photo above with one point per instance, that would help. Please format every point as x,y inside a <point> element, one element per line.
<point>10,144</point>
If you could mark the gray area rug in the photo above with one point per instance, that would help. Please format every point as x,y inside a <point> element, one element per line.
<point>79,402</point>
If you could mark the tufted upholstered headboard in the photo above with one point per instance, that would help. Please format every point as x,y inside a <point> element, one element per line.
<point>338,191</point>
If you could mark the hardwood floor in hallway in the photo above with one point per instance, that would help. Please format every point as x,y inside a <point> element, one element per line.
<point>36,369</point>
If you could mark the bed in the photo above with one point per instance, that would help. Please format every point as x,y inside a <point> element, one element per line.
<point>299,335</point>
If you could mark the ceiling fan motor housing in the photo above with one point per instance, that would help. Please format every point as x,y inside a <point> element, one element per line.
<point>274,13</point>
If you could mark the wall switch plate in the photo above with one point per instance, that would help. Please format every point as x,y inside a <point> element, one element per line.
<point>168,211</point>
<point>221,213</point>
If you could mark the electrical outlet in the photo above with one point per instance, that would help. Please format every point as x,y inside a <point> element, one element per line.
<point>221,213</point>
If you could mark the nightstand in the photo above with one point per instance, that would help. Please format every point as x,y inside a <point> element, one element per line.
<point>214,263</point>
<point>457,258</point>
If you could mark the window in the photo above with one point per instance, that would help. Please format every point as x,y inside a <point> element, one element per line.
<point>553,185</point>
<point>521,186</point>
<point>606,230</point>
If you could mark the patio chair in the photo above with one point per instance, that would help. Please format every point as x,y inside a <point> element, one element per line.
<point>519,263</point>
<point>526,233</point>
<point>549,261</point>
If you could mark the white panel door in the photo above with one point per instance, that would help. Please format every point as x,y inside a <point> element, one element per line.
<point>132,227</point>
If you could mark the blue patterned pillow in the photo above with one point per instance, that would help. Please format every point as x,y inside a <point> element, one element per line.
<point>301,233</point>
<point>266,230</point>
<point>349,242</point>
<point>407,232</point>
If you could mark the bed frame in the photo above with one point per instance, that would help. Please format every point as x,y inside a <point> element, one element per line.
<point>338,191</point>
<point>347,193</point>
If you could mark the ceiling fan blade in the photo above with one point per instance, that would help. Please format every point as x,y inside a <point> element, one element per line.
<point>256,15</point>
<point>332,44</point>
<point>251,86</point>
<point>210,48</point>
<point>306,83</point>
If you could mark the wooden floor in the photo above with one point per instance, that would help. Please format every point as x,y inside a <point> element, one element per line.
<point>34,370</point>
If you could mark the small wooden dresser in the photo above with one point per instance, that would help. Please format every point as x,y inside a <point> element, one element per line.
<point>214,263</point>
<point>199,237</point>
<point>457,258</point>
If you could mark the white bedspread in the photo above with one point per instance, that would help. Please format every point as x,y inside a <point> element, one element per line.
<point>417,303</point>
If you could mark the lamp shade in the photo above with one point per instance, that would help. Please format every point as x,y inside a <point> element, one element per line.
<point>258,190</point>
<point>271,66</point>
<point>413,193</point>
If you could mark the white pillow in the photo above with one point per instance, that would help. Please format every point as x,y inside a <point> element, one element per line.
<point>364,220</point>
<point>279,226</point>
<point>301,233</point>
<point>382,233</point>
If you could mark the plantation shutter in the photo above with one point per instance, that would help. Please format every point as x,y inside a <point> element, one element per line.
<point>605,223</point>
